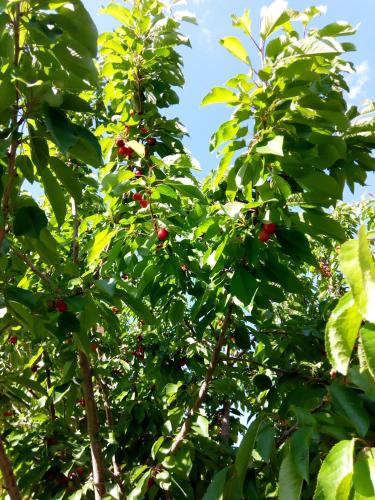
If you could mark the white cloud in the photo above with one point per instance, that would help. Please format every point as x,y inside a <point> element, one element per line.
<point>359,80</point>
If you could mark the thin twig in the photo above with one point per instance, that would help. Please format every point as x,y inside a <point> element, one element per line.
<point>185,428</point>
<point>35,270</point>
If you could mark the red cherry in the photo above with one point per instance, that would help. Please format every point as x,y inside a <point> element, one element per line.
<point>125,151</point>
<point>144,130</point>
<point>333,373</point>
<point>13,339</point>
<point>60,305</point>
<point>263,236</point>
<point>163,234</point>
<point>151,141</point>
<point>63,480</point>
<point>140,338</point>
<point>140,352</point>
<point>144,203</point>
<point>269,228</point>
<point>115,310</point>
<point>8,413</point>
<point>80,471</point>
<point>138,173</point>
<point>120,142</point>
<point>137,196</point>
<point>81,403</point>
<point>93,346</point>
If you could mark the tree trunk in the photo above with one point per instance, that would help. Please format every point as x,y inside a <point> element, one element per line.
<point>98,468</point>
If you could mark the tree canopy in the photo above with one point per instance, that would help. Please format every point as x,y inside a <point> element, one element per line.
<point>164,337</point>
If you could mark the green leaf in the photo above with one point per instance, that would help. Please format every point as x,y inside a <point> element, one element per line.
<point>273,147</point>
<point>39,149</point>
<point>319,182</point>
<point>119,12</point>
<point>340,28</point>
<point>367,335</point>
<point>60,127</point>
<point>323,224</point>
<point>87,147</point>
<point>356,263</point>
<point>364,477</point>
<point>67,177</point>
<point>341,333</point>
<point>262,382</point>
<point>21,295</point>
<point>235,47</point>
<point>78,21</point>
<point>272,17</point>
<point>72,102</point>
<point>299,449</point>
<point>137,306</point>
<point>220,94</point>
<point>266,440</point>
<point>8,94</point>
<point>68,323</point>
<point>23,162</point>
<point>243,286</point>
<point>243,22</point>
<point>101,240</point>
<point>216,487</point>
<point>187,189</point>
<point>245,450</point>
<point>54,194</point>
<point>347,403</point>
<point>290,482</point>
<point>337,465</point>
<point>138,147</point>
<point>29,221</point>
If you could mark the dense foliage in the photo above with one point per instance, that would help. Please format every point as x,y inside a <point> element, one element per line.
<point>150,322</point>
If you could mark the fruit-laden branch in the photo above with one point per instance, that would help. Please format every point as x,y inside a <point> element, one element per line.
<point>185,429</point>
<point>14,126</point>
<point>8,475</point>
<point>98,468</point>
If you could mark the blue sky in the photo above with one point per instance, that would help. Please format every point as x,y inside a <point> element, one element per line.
<point>208,64</point>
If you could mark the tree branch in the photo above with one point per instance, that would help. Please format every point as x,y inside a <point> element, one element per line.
<point>8,474</point>
<point>35,270</point>
<point>185,429</point>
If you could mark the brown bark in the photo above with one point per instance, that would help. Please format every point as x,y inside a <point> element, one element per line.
<point>186,426</point>
<point>8,474</point>
<point>14,145</point>
<point>98,468</point>
<point>225,422</point>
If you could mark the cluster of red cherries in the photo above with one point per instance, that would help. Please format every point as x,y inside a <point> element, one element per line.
<point>266,232</point>
<point>128,152</point>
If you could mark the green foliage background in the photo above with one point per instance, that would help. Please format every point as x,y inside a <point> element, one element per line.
<point>131,363</point>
